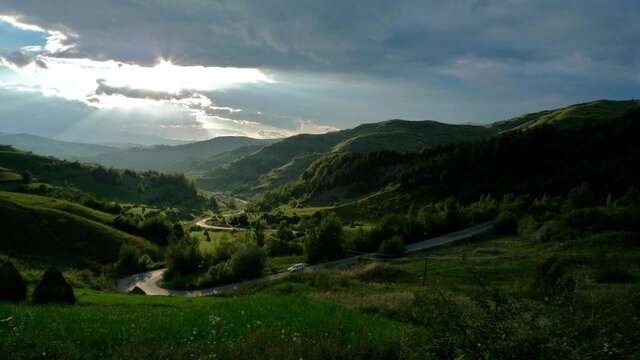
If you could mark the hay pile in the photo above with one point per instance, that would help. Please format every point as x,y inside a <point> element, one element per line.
<point>53,288</point>
<point>12,286</point>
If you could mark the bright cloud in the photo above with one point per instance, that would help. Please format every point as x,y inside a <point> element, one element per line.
<point>110,84</point>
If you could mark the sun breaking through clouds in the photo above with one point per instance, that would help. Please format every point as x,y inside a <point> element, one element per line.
<point>274,68</point>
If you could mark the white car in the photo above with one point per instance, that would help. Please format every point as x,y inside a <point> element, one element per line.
<point>296,267</point>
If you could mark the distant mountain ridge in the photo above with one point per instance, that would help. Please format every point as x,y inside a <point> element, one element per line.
<point>51,147</point>
<point>177,158</point>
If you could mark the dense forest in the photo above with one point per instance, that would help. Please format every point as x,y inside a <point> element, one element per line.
<point>537,161</point>
<point>79,181</point>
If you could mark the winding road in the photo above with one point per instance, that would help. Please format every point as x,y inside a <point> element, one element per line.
<point>149,281</point>
<point>203,224</point>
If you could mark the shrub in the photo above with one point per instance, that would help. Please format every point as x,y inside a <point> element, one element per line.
<point>12,285</point>
<point>218,274</point>
<point>506,222</point>
<point>183,257</point>
<point>614,274</point>
<point>381,273</point>
<point>277,247</point>
<point>527,226</point>
<point>131,260</point>
<point>589,220</point>
<point>552,276</point>
<point>581,197</point>
<point>325,240</point>
<point>611,269</point>
<point>393,247</point>
<point>53,288</point>
<point>248,263</point>
<point>620,239</point>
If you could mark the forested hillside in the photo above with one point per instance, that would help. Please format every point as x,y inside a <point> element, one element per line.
<point>541,160</point>
<point>263,169</point>
<point>153,188</point>
<point>396,135</point>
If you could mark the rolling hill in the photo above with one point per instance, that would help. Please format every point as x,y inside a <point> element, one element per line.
<point>578,115</point>
<point>259,169</point>
<point>152,188</point>
<point>179,158</point>
<point>285,161</point>
<point>61,231</point>
<point>50,147</point>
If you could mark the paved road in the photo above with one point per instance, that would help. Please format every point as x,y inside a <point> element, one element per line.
<point>203,224</point>
<point>149,281</point>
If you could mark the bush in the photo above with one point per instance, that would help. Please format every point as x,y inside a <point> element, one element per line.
<point>589,220</point>
<point>248,263</point>
<point>581,197</point>
<point>183,257</point>
<point>12,285</point>
<point>552,276</point>
<point>382,273</point>
<point>53,288</point>
<point>527,226</point>
<point>614,274</point>
<point>506,223</point>
<point>277,247</point>
<point>325,240</point>
<point>393,247</point>
<point>132,261</point>
<point>611,269</point>
<point>619,239</point>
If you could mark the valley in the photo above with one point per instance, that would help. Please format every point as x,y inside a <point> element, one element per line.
<point>419,239</point>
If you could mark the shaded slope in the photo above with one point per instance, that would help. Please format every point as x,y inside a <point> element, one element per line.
<point>578,115</point>
<point>397,135</point>
<point>37,229</point>
<point>542,160</point>
<point>151,188</point>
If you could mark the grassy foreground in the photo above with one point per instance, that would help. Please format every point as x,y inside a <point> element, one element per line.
<point>107,325</point>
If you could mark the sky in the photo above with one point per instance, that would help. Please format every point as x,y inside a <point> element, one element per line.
<point>143,71</point>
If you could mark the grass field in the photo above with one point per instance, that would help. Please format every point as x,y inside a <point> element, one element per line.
<point>506,263</point>
<point>107,325</point>
<point>373,310</point>
<point>7,175</point>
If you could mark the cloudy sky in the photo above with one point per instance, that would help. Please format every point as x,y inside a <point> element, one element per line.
<point>146,70</point>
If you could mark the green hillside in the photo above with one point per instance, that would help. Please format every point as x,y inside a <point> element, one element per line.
<point>543,159</point>
<point>62,232</point>
<point>50,147</point>
<point>225,157</point>
<point>589,113</point>
<point>182,158</point>
<point>260,170</point>
<point>8,175</point>
<point>166,190</point>
<point>397,135</point>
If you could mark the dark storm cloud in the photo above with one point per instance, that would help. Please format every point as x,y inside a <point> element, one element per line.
<point>21,60</point>
<point>365,36</point>
<point>105,89</point>
<point>347,62</point>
